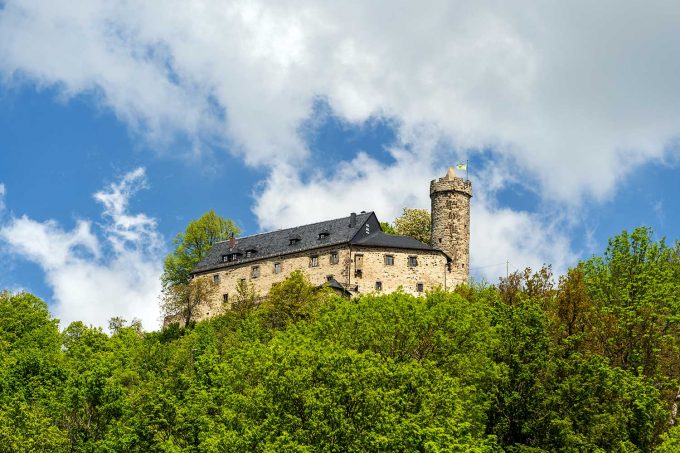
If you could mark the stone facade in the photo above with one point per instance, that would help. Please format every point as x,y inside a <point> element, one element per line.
<point>450,198</point>
<point>360,269</point>
<point>363,259</point>
<point>429,270</point>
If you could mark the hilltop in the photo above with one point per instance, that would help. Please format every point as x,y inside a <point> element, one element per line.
<point>586,363</point>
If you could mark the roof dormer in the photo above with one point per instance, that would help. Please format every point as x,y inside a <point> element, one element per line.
<point>231,257</point>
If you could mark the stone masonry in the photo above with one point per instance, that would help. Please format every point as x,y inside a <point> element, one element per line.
<point>358,269</point>
<point>450,198</point>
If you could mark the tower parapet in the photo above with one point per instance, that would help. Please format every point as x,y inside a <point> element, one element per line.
<point>450,232</point>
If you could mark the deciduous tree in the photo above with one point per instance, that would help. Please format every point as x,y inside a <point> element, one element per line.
<point>415,223</point>
<point>192,245</point>
<point>180,301</point>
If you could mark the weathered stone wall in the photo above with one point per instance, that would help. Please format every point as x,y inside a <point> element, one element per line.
<point>229,277</point>
<point>450,198</point>
<point>430,271</point>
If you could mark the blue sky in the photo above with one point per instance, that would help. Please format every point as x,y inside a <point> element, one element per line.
<point>117,128</point>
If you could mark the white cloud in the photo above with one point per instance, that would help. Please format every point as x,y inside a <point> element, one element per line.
<point>96,277</point>
<point>572,94</point>
<point>2,197</point>
<point>576,93</point>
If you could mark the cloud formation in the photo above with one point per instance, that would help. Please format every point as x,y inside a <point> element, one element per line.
<point>577,93</point>
<point>97,271</point>
<point>572,95</point>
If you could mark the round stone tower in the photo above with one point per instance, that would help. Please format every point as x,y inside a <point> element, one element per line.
<point>450,197</point>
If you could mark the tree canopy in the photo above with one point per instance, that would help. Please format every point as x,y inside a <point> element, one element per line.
<point>192,245</point>
<point>587,362</point>
<point>415,223</point>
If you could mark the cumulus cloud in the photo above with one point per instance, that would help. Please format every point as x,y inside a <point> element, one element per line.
<point>573,95</point>
<point>576,93</point>
<point>97,271</point>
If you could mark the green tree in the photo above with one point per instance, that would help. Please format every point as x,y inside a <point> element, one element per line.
<point>292,300</point>
<point>637,296</point>
<point>415,223</point>
<point>246,298</point>
<point>387,228</point>
<point>193,244</point>
<point>180,301</point>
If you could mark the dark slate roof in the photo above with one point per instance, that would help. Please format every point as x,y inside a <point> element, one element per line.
<point>380,239</point>
<point>365,232</point>
<point>276,243</point>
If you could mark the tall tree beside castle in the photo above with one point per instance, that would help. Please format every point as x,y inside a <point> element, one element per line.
<point>181,294</point>
<point>192,245</point>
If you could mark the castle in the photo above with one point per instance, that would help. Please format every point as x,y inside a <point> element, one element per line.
<point>352,254</point>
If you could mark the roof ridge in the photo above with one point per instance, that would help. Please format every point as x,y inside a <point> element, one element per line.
<point>298,226</point>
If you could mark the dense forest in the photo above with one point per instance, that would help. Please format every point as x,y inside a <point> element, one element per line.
<point>589,361</point>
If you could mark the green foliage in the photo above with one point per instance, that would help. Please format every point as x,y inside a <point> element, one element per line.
<point>415,223</point>
<point>670,441</point>
<point>292,300</point>
<point>637,289</point>
<point>587,363</point>
<point>180,302</point>
<point>387,228</point>
<point>192,245</point>
<point>246,298</point>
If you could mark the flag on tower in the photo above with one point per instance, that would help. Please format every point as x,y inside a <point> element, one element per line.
<point>461,167</point>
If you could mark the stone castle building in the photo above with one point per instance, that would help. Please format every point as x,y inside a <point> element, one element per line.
<point>352,254</point>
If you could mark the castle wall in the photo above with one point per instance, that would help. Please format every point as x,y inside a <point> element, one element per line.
<point>229,277</point>
<point>430,271</point>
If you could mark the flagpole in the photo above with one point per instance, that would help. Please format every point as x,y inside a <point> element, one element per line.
<point>467,172</point>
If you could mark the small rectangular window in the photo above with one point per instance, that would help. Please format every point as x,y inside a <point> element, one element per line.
<point>225,258</point>
<point>389,260</point>
<point>248,253</point>
<point>334,258</point>
<point>216,278</point>
<point>277,268</point>
<point>378,286</point>
<point>412,261</point>
<point>329,278</point>
<point>313,261</point>
<point>255,271</point>
<point>419,287</point>
<point>225,298</point>
<point>242,280</point>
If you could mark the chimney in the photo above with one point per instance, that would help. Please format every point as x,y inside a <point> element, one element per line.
<point>352,220</point>
<point>232,241</point>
